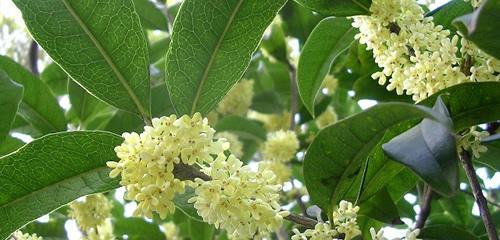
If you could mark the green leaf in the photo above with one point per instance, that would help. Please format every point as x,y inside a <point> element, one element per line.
<point>336,154</point>
<point>339,8</point>
<point>381,207</point>
<point>470,104</point>
<point>151,16</point>
<point>181,203</point>
<point>267,102</point>
<point>52,171</point>
<point>445,14</point>
<point>458,208</point>
<point>38,107</point>
<point>445,232</point>
<point>100,45</point>
<point>126,122</point>
<point>137,228</point>
<point>299,21</point>
<point>11,95</point>
<point>201,230</point>
<point>83,104</point>
<point>490,158</point>
<point>10,144</point>
<point>478,27</point>
<point>55,78</point>
<point>366,87</point>
<point>212,43</point>
<point>327,41</point>
<point>243,127</point>
<point>158,49</point>
<point>429,149</point>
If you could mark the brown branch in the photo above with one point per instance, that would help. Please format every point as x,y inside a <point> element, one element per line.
<point>33,57</point>
<point>425,208</point>
<point>465,158</point>
<point>301,220</point>
<point>186,172</point>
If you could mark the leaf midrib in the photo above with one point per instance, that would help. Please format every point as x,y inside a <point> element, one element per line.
<point>212,56</point>
<point>107,58</point>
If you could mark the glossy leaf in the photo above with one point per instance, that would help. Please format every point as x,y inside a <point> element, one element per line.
<point>243,127</point>
<point>212,43</point>
<point>137,228</point>
<point>429,149</point>
<point>330,38</point>
<point>151,16</point>
<point>445,14</point>
<point>10,144</point>
<point>201,230</point>
<point>83,104</point>
<point>55,78</point>
<point>38,107</point>
<point>381,207</point>
<point>470,104</point>
<point>479,27</point>
<point>101,45</point>
<point>299,21</point>
<point>56,169</point>
<point>337,152</point>
<point>181,204</point>
<point>490,158</point>
<point>11,95</point>
<point>445,232</point>
<point>339,8</point>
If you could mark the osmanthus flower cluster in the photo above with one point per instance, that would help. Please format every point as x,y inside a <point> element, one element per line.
<point>233,197</point>
<point>343,222</point>
<point>326,118</point>
<point>238,99</point>
<point>18,235</point>
<point>279,148</point>
<point>416,55</point>
<point>471,141</point>
<point>92,216</point>
<point>235,145</point>
<point>239,200</point>
<point>147,160</point>
<point>272,122</point>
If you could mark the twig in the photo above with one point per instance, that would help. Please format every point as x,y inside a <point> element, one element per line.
<point>425,208</point>
<point>187,172</point>
<point>488,200</point>
<point>293,94</point>
<point>304,221</point>
<point>478,194</point>
<point>33,57</point>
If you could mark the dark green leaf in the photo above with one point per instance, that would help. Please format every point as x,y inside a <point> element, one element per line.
<point>52,171</point>
<point>335,156</point>
<point>181,203</point>
<point>10,144</point>
<point>275,43</point>
<point>445,14</point>
<point>201,230</point>
<point>429,149</point>
<point>480,28</point>
<point>55,78</point>
<point>158,49</point>
<point>470,104</point>
<point>381,207</point>
<point>39,107</point>
<point>11,95</point>
<point>101,45</point>
<point>83,104</point>
<point>267,102</point>
<point>445,232</point>
<point>491,157</point>
<point>330,38</point>
<point>366,87</point>
<point>299,21</point>
<point>137,228</point>
<point>243,127</point>
<point>51,230</point>
<point>458,209</point>
<point>212,43</point>
<point>126,122</point>
<point>151,16</point>
<point>339,8</point>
